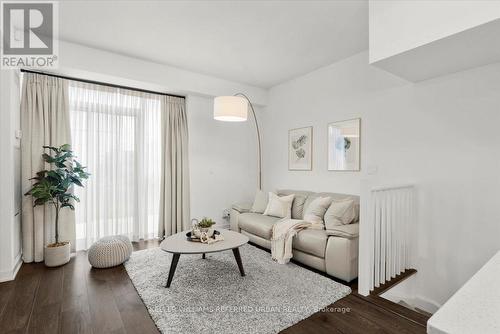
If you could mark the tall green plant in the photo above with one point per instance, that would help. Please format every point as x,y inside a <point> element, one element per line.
<point>55,186</point>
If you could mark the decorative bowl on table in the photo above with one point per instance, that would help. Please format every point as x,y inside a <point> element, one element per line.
<point>191,237</point>
<point>201,229</point>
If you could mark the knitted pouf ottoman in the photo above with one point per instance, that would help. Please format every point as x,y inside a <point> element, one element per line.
<point>110,251</point>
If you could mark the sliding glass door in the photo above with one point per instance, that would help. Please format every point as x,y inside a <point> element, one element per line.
<point>116,133</point>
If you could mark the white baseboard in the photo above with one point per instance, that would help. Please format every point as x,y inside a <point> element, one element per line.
<point>10,275</point>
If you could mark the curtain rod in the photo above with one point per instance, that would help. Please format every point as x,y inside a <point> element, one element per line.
<point>101,83</point>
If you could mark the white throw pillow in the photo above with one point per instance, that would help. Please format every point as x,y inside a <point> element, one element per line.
<point>316,210</point>
<point>339,213</point>
<point>279,206</point>
<point>260,202</point>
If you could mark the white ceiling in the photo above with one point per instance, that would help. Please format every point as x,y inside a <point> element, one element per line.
<point>261,43</point>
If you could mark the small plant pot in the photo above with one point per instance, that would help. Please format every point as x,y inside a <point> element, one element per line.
<point>56,256</point>
<point>208,230</point>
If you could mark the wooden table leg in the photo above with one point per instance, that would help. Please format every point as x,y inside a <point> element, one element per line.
<point>237,256</point>
<point>203,256</point>
<point>173,266</point>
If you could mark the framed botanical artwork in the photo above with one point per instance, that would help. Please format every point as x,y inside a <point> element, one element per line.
<point>344,145</point>
<point>300,148</point>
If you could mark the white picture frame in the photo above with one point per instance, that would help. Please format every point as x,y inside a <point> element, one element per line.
<point>300,148</point>
<point>344,145</point>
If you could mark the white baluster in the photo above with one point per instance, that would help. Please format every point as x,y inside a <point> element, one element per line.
<point>376,263</point>
<point>389,214</point>
<point>383,236</point>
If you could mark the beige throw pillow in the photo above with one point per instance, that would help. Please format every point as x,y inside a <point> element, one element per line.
<point>339,213</point>
<point>298,206</point>
<point>279,206</point>
<point>260,202</point>
<point>316,210</point>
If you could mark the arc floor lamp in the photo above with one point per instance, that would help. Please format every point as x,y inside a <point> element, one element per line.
<point>235,109</point>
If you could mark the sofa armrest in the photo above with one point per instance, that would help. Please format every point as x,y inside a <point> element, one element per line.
<point>242,207</point>
<point>341,257</point>
<point>349,231</point>
<point>236,211</point>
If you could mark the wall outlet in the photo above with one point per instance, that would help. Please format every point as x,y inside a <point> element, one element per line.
<point>226,214</point>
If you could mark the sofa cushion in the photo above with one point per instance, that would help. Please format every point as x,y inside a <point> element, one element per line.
<point>311,241</point>
<point>341,197</point>
<point>340,213</point>
<point>316,210</point>
<point>298,201</point>
<point>298,206</point>
<point>257,224</point>
<point>260,202</point>
<point>279,206</point>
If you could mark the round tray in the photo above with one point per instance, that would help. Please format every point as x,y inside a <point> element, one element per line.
<point>189,236</point>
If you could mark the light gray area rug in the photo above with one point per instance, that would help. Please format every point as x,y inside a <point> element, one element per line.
<point>210,295</point>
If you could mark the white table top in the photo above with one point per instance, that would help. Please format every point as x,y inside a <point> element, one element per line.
<point>178,243</point>
<point>475,307</point>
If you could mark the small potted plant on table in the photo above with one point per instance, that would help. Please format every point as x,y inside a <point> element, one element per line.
<point>205,225</point>
<point>55,187</point>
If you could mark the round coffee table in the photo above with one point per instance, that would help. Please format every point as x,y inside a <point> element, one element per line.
<point>178,244</point>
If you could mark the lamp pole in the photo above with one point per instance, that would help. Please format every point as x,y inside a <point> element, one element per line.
<point>259,152</point>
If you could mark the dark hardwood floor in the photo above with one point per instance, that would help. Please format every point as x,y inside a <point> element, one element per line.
<point>78,299</point>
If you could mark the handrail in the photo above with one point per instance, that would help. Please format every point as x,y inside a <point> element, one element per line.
<point>402,186</point>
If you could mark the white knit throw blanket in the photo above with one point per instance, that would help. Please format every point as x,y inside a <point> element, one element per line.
<point>281,241</point>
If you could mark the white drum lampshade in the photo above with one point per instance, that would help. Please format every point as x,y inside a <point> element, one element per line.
<point>230,108</point>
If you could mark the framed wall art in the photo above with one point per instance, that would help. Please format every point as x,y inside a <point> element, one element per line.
<point>344,140</point>
<point>300,146</point>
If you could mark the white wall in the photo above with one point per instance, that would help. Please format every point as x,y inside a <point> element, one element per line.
<point>441,134</point>
<point>223,160</point>
<point>10,191</point>
<point>397,26</point>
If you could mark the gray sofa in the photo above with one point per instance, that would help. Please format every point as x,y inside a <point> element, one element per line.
<point>333,251</point>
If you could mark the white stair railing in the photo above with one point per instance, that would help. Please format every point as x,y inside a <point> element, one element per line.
<point>386,222</point>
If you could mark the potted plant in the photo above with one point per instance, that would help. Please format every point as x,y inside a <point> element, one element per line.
<point>205,226</point>
<point>55,187</point>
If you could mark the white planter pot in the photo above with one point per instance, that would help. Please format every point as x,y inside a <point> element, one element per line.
<point>208,230</point>
<point>57,256</point>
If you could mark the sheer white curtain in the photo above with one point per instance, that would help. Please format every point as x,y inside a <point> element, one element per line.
<point>116,133</point>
